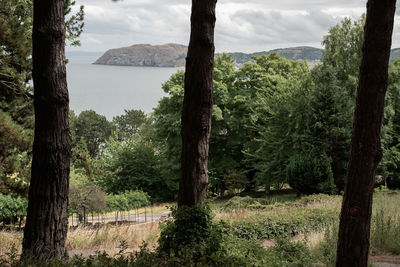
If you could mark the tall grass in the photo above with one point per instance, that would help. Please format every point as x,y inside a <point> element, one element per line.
<point>109,238</point>
<point>313,220</point>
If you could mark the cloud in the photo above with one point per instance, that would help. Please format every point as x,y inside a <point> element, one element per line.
<point>247,26</point>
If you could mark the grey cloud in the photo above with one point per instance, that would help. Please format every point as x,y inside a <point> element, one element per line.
<point>250,25</point>
<point>268,29</point>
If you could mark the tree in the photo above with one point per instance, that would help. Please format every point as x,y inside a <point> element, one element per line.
<point>134,164</point>
<point>197,105</point>
<point>47,217</point>
<point>94,129</point>
<point>365,153</point>
<point>343,47</point>
<point>128,124</point>
<point>13,157</point>
<point>16,91</point>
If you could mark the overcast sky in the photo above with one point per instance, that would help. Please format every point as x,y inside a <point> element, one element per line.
<point>245,26</point>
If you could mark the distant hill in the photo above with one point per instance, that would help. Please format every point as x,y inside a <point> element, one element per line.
<point>394,54</point>
<point>294,53</point>
<point>167,55</point>
<point>173,55</point>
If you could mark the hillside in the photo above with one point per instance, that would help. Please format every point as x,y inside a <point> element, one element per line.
<point>167,55</point>
<point>173,55</point>
<point>294,53</point>
<point>394,54</point>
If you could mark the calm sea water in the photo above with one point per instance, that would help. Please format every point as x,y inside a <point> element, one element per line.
<point>110,89</point>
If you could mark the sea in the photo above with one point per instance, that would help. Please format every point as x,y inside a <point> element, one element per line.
<point>109,90</point>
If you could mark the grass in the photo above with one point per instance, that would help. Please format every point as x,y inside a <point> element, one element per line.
<point>310,221</point>
<point>10,240</point>
<point>110,237</point>
<point>159,208</point>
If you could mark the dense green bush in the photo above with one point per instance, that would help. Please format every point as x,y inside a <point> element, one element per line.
<point>310,174</point>
<point>248,202</point>
<point>191,227</point>
<point>129,200</point>
<point>12,207</point>
<point>279,225</point>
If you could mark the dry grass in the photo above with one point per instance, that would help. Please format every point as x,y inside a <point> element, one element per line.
<point>87,240</point>
<point>312,239</point>
<point>156,209</point>
<point>10,240</point>
<point>110,237</point>
<point>322,203</point>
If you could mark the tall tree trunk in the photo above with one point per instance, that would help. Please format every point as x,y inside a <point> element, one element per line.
<point>197,104</point>
<point>366,152</point>
<point>47,218</point>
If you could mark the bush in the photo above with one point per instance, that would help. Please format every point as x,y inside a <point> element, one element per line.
<point>247,202</point>
<point>310,174</point>
<point>128,200</point>
<point>283,225</point>
<point>12,207</point>
<point>191,227</point>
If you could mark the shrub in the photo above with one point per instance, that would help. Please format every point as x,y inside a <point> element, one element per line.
<point>12,207</point>
<point>283,225</point>
<point>191,227</point>
<point>310,174</point>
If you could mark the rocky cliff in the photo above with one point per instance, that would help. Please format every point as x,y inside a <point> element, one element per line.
<point>167,55</point>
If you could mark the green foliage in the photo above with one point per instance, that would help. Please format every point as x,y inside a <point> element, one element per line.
<point>16,91</point>
<point>74,23</point>
<point>128,200</point>
<point>238,203</point>
<point>310,174</point>
<point>15,141</point>
<point>290,253</point>
<point>86,199</point>
<point>343,46</point>
<point>191,227</point>
<point>129,123</point>
<point>389,167</point>
<point>235,181</point>
<point>385,232</point>
<point>94,129</point>
<point>134,164</point>
<point>275,226</point>
<point>11,207</point>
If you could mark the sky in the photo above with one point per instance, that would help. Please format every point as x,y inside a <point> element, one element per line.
<point>241,26</point>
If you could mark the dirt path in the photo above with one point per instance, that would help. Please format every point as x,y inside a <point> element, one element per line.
<point>385,261</point>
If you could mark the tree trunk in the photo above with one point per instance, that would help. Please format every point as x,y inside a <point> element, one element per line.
<point>365,154</point>
<point>47,218</point>
<point>197,104</point>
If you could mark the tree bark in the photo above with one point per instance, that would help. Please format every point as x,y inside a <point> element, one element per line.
<point>47,219</point>
<point>366,152</point>
<point>197,105</point>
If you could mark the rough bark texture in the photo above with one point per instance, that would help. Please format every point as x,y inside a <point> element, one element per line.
<point>355,219</point>
<point>47,218</point>
<point>197,104</point>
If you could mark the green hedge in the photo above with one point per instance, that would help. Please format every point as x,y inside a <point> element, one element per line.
<point>289,224</point>
<point>127,201</point>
